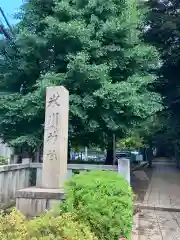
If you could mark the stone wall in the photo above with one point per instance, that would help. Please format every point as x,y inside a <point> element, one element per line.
<point>72,169</point>
<point>19,176</point>
<point>12,178</point>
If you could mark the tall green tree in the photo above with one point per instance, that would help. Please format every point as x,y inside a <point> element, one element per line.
<point>164,33</point>
<point>93,48</point>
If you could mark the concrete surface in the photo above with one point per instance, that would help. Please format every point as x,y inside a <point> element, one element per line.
<point>12,178</point>
<point>55,150</point>
<point>156,225</point>
<point>35,201</point>
<point>159,201</point>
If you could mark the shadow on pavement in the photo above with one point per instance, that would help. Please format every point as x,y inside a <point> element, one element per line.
<point>140,181</point>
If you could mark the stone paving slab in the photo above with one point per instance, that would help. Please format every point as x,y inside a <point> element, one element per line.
<point>159,218</point>
<point>156,225</point>
<point>164,187</point>
<point>158,186</point>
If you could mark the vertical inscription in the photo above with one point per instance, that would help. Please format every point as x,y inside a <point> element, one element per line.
<point>54,170</point>
<point>53,101</point>
<point>52,125</point>
<point>51,155</point>
<point>53,120</point>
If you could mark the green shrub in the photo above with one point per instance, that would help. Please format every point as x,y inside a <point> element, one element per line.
<point>102,199</point>
<point>47,227</point>
<point>3,160</point>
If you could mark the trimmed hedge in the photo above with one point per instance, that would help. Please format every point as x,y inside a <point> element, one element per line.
<point>103,200</point>
<point>98,206</point>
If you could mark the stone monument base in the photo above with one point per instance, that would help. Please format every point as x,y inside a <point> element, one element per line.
<point>34,201</point>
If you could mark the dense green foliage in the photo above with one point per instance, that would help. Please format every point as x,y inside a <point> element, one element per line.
<point>15,226</point>
<point>98,205</point>
<point>164,33</point>
<point>95,49</point>
<point>131,142</point>
<point>104,201</point>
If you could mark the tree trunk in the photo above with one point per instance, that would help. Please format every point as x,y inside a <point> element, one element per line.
<point>145,155</point>
<point>37,154</point>
<point>150,157</point>
<point>143,152</point>
<point>109,156</point>
<point>149,154</point>
<point>176,155</point>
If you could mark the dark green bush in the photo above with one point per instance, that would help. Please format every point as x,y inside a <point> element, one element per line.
<point>103,200</point>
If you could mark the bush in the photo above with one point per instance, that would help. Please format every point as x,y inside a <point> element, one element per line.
<point>102,199</point>
<point>3,160</point>
<point>47,227</point>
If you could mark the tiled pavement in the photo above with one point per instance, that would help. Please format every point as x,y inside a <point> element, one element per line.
<point>160,189</point>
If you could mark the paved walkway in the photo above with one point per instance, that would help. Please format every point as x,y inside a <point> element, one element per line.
<point>158,191</point>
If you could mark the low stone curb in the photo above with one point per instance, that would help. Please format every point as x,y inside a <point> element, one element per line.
<point>40,193</point>
<point>135,232</point>
<point>157,207</point>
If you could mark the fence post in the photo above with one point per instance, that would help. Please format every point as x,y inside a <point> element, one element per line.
<point>124,168</point>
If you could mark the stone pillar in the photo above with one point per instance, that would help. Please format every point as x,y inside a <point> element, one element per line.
<point>86,154</point>
<point>124,168</point>
<point>33,201</point>
<point>55,152</point>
